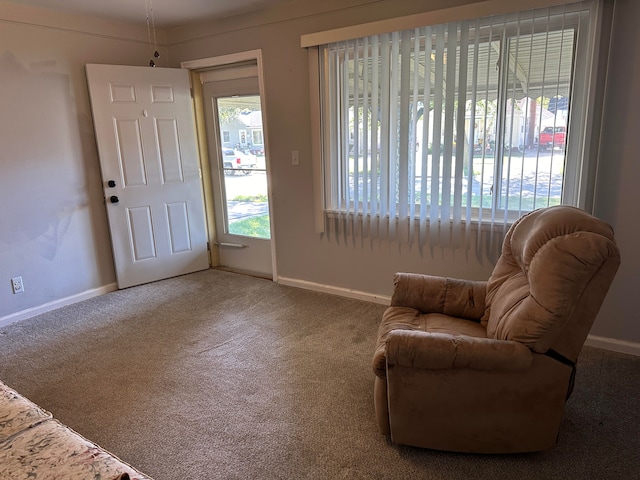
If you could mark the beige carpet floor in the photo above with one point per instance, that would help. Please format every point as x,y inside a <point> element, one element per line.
<point>216,375</point>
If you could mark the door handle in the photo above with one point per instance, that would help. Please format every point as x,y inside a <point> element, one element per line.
<point>114,199</point>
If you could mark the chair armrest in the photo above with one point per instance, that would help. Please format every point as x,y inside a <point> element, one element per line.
<point>418,349</point>
<point>431,294</point>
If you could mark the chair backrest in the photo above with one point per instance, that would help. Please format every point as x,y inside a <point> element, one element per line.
<point>556,266</point>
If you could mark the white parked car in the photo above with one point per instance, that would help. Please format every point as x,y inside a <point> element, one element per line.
<point>234,161</point>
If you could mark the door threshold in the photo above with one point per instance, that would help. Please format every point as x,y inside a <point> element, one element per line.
<point>248,273</point>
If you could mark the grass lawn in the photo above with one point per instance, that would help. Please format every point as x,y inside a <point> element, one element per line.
<point>252,227</point>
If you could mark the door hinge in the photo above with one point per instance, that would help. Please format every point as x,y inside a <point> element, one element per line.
<point>208,247</point>
<point>191,91</point>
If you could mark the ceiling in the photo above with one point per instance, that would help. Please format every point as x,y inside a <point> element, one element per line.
<point>163,13</point>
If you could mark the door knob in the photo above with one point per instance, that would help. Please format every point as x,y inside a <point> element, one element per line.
<point>111,183</point>
<point>114,199</point>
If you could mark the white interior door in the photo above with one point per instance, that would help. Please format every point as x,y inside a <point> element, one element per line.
<point>237,155</point>
<point>145,133</point>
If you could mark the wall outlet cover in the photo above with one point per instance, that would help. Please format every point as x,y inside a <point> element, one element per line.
<point>16,285</point>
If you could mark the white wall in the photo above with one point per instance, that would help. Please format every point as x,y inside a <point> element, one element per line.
<point>60,244</point>
<point>53,229</point>
<point>617,193</point>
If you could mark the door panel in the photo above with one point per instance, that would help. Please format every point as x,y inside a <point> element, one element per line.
<point>169,150</point>
<point>147,145</point>
<point>142,235</point>
<point>130,154</point>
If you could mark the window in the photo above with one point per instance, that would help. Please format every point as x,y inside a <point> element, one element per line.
<point>256,137</point>
<point>428,131</point>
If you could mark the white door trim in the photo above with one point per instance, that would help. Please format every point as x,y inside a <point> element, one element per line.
<point>249,55</point>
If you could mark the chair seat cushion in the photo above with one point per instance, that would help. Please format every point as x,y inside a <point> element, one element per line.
<point>404,318</point>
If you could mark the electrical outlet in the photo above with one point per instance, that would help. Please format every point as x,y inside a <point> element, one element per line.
<point>17,285</point>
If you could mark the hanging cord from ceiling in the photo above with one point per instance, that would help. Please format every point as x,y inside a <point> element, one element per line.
<point>151,27</point>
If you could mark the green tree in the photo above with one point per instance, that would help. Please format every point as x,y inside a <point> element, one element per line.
<point>228,114</point>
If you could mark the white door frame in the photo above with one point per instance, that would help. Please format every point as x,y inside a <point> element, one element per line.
<point>203,64</point>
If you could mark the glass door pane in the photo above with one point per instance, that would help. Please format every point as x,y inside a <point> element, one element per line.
<point>243,166</point>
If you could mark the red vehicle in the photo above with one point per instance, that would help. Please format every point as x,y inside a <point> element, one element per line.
<point>553,137</point>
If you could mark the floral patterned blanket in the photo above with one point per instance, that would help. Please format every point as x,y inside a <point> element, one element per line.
<point>35,446</point>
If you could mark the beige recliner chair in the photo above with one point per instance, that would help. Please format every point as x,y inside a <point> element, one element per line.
<point>486,367</point>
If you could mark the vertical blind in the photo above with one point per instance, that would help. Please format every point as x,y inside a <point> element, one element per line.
<point>431,130</point>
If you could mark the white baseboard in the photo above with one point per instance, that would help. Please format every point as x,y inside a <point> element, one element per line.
<point>47,307</point>
<point>605,343</point>
<point>343,292</point>
<point>620,346</point>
